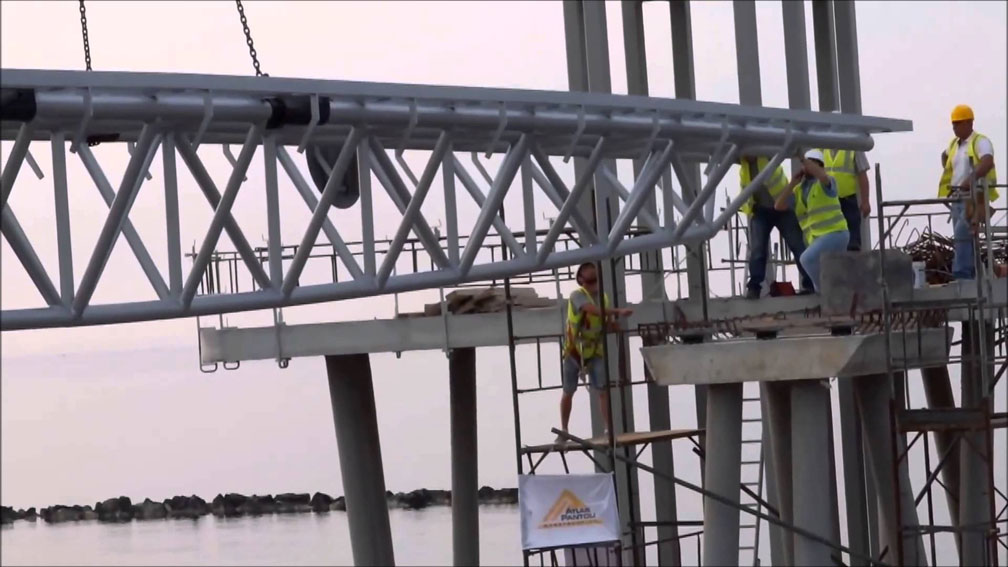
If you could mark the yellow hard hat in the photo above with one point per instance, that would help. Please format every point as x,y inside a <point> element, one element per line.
<point>962,112</point>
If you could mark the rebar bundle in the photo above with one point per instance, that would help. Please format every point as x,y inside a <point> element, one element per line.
<point>936,251</point>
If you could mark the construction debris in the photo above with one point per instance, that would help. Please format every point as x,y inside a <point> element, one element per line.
<point>484,300</point>
<point>936,252</point>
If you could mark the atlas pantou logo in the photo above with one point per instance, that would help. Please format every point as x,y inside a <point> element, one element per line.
<point>569,510</point>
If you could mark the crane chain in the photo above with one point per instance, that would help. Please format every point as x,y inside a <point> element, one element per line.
<point>84,33</point>
<point>248,39</point>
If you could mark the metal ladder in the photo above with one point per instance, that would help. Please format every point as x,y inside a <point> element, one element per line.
<point>752,472</point>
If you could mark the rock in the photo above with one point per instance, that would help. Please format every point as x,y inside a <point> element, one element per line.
<point>440,497</point>
<point>29,514</point>
<point>258,505</point>
<point>58,514</point>
<point>321,502</point>
<point>8,515</point>
<point>115,510</point>
<point>191,507</point>
<point>228,505</point>
<point>416,499</point>
<point>488,495</point>
<point>338,505</point>
<point>149,510</point>
<point>290,503</point>
<point>88,513</point>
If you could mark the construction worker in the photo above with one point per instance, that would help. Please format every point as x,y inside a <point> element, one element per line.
<point>763,217</point>
<point>814,196</point>
<point>850,170</point>
<point>968,159</point>
<point>582,348</point>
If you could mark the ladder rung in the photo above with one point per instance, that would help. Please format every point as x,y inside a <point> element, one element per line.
<point>743,526</point>
<point>756,399</point>
<point>750,462</point>
<point>750,420</point>
<point>746,547</point>
<point>751,483</point>
<point>751,441</point>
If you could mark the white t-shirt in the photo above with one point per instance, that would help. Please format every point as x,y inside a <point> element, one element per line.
<point>861,162</point>
<point>961,166</point>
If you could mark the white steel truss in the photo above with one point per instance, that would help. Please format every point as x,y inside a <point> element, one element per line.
<point>356,125</point>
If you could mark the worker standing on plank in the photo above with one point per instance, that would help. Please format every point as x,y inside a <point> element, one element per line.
<point>763,217</point>
<point>814,195</point>
<point>968,159</point>
<point>850,171</point>
<point>582,345</point>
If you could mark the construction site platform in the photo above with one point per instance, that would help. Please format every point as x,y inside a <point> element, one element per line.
<point>630,438</point>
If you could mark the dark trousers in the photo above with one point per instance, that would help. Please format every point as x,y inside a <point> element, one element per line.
<point>851,212</point>
<point>762,221</point>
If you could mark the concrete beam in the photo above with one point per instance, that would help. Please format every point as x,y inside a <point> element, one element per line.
<point>774,359</point>
<point>231,344</point>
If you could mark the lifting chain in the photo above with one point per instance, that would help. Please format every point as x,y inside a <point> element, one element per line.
<point>87,45</point>
<point>248,39</point>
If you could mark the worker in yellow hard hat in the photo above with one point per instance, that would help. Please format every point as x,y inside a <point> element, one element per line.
<point>968,159</point>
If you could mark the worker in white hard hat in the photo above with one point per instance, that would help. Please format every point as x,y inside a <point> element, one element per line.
<point>968,159</point>
<point>813,194</point>
<point>850,170</point>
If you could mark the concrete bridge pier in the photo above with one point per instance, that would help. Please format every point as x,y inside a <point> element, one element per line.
<point>464,467</point>
<point>722,470</point>
<point>352,393</point>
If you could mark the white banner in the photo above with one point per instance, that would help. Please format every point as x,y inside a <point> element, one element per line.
<point>567,509</point>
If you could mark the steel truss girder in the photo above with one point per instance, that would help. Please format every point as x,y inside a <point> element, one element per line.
<point>528,127</point>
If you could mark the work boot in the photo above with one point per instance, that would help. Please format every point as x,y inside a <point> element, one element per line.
<point>752,293</point>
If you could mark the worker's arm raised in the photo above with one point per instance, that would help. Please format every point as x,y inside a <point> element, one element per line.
<point>783,201</point>
<point>592,309</point>
<point>816,171</point>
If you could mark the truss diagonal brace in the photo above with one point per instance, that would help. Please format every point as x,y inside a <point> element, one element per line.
<point>707,192</point>
<point>480,198</point>
<point>118,212</point>
<point>649,220</point>
<point>23,249</point>
<point>580,186</point>
<point>14,161</point>
<point>389,178</point>
<point>581,224</point>
<point>643,187</point>
<point>132,237</point>
<point>746,192</point>
<point>213,196</point>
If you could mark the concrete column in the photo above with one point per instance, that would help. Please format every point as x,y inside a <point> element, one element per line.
<point>777,534</point>
<point>723,473</point>
<point>352,395</point>
<point>810,432</point>
<point>778,417</point>
<point>826,55</point>
<point>974,487</point>
<point>464,456</point>
<point>874,394</point>
<point>938,391</point>
<point>796,59</point>
<point>854,473</point>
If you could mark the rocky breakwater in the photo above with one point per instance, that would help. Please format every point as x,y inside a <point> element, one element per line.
<point>232,505</point>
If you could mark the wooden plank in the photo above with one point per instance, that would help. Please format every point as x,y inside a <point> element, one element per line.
<point>622,440</point>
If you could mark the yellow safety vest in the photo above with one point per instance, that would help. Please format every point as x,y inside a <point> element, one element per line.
<point>946,178</point>
<point>583,338</point>
<point>840,165</point>
<point>820,215</point>
<point>776,185</point>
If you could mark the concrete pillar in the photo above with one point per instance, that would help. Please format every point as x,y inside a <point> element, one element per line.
<point>352,395</point>
<point>854,473</point>
<point>464,469</point>
<point>974,483</point>
<point>777,534</point>
<point>938,391</point>
<point>723,473</point>
<point>874,394</point>
<point>810,432</point>
<point>778,416</point>
<point>824,38</point>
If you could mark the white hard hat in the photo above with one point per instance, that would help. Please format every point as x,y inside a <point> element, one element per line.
<point>815,154</point>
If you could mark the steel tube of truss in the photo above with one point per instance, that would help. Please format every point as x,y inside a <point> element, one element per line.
<point>389,178</point>
<point>14,161</point>
<point>581,224</point>
<point>118,211</point>
<point>222,212</point>
<point>744,195</point>
<point>308,195</point>
<point>528,204</point>
<point>173,234</point>
<point>128,230</point>
<point>451,207</point>
<point>498,223</point>
<point>495,198</point>
<point>556,191</point>
<point>570,204</point>
<point>364,166</point>
<point>23,249</point>
<point>412,212</point>
<point>62,206</point>
<point>646,217</point>
<point>321,211</point>
<point>213,197</point>
<point>707,192</point>
<point>272,210</point>
<point>643,188</point>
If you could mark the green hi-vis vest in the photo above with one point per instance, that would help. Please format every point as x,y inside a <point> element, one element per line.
<point>946,178</point>
<point>820,215</point>
<point>776,184</point>
<point>840,165</point>
<point>583,337</point>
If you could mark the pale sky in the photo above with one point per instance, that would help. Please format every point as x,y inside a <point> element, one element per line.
<point>906,72</point>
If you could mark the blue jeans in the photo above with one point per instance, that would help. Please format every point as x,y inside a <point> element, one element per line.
<point>832,242</point>
<point>963,267</point>
<point>572,368</point>
<point>762,221</point>
<point>852,212</point>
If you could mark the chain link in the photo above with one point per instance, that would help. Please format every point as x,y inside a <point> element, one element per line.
<point>248,39</point>
<point>87,45</point>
